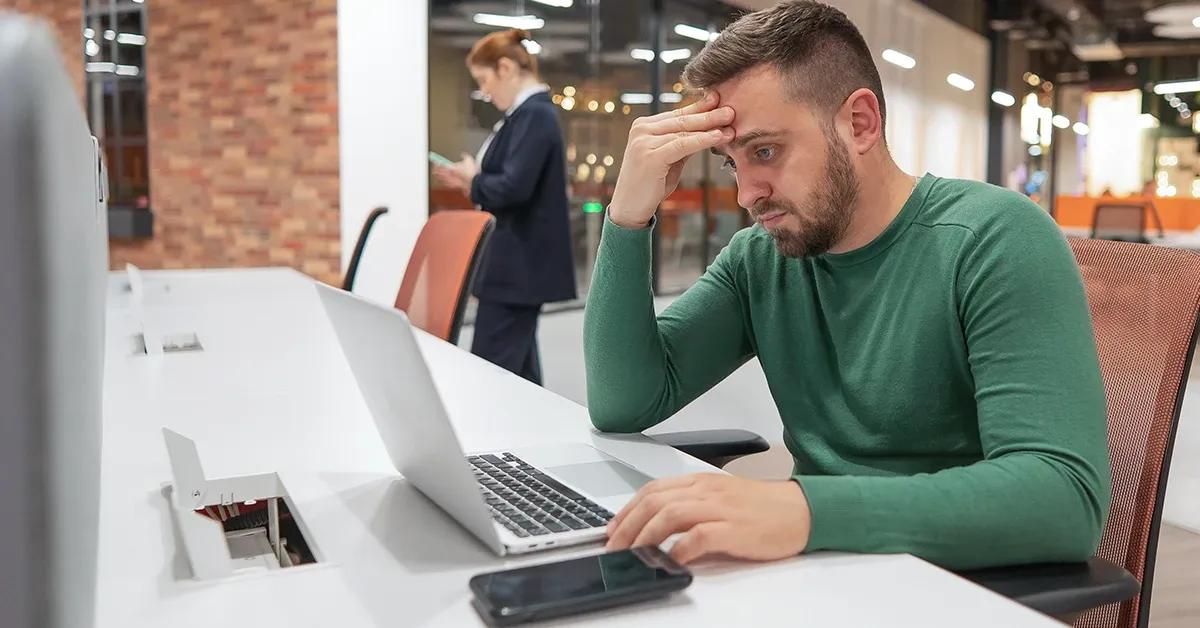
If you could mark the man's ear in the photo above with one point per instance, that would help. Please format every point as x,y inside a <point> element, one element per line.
<point>861,110</point>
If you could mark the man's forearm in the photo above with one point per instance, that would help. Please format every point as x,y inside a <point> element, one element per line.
<point>1019,508</point>
<point>622,348</point>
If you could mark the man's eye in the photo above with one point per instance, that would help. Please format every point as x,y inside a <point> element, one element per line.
<point>765,153</point>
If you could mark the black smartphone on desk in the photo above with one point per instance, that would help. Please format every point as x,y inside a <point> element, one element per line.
<point>515,596</point>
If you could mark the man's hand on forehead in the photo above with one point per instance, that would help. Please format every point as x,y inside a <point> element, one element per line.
<point>658,148</point>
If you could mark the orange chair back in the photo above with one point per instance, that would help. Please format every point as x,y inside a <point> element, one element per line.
<point>1144,301</point>
<point>438,278</point>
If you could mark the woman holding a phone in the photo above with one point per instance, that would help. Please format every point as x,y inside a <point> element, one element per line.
<point>519,175</point>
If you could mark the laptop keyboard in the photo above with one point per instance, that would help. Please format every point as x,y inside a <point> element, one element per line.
<point>528,502</point>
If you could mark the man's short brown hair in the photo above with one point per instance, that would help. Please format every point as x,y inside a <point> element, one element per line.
<point>815,47</point>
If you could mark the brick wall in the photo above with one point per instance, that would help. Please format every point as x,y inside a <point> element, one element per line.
<point>242,113</point>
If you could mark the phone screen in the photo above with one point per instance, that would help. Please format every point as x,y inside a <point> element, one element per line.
<point>594,576</point>
<point>439,160</point>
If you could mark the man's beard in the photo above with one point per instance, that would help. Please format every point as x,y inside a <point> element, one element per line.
<point>825,216</point>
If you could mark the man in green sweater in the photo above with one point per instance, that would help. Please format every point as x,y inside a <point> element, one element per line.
<point>927,341</point>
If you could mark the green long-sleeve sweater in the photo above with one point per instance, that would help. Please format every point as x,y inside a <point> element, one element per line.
<point>939,387</point>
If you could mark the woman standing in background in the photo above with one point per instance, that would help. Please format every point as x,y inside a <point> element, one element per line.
<point>519,175</point>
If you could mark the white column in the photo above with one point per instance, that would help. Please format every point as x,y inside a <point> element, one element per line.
<point>383,130</point>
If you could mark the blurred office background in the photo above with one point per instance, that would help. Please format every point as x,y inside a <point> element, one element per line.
<point>262,132</point>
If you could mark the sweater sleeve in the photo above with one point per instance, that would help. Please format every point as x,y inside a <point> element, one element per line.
<point>641,369</point>
<point>1042,491</point>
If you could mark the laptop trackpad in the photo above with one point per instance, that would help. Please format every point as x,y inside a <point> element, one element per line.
<point>601,479</point>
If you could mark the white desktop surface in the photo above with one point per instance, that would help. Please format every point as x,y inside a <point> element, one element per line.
<point>271,392</point>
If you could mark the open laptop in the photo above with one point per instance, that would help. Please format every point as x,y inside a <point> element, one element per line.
<point>514,501</point>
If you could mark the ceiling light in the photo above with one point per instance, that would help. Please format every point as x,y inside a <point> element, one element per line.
<point>527,22</point>
<point>562,4</point>
<point>676,55</point>
<point>1147,121</point>
<point>569,90</point>
<point>642,54</point>
<point>636,98</point>
<point>110,35</point>
<point>1060,121</point>
<point>1004,99</point>
<point>1081,128</point>
<point>568,103</point>
<point>131,39</point>
<point>89,33</point>
<point>1177,30</point>
<point>532,47</point>
<point>699,34</point>
<point>895,57</point>
<point>1178,87</point>
<point>1035,150</point>
<point>593,105</point>
<point>670,97</point>
<point>1171,13</point>
<point>609,107</point>
<point>91,48</point>
<point>960,81</point>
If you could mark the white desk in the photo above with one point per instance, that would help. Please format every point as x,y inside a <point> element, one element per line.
<point>271,392</point>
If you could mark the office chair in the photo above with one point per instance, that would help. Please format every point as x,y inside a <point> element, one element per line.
<point>441,269</point>
<point>1124,222</point>
<point>1144,302</point>
<point>356,256</point>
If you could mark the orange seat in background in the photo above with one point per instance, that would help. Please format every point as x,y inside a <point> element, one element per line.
<point>1177,214</point>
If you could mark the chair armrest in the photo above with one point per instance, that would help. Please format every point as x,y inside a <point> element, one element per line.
<point>1058,589</point>
<point>716,447</point>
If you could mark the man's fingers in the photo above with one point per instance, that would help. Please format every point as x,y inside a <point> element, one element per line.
<point>706,538</point>
<point>707,103</point>
<point>653,142</point>
<point>702,121</point>
<point>679,516</point>
<point>654,486</point>
<point>631,525</point>
<point>686,144</point>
